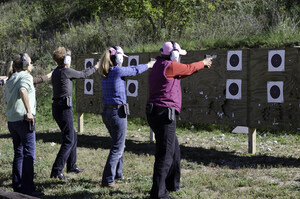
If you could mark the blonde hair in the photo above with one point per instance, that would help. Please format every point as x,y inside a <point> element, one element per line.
<point>59,55</point>
<point>105,64</point>
<point>15,65</point>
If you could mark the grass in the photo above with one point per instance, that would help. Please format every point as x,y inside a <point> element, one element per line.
<point>214,164</point>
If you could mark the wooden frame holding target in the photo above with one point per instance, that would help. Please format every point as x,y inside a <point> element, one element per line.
<point>274,89</point>
<point>217,95</point>
<point>88,91</point>
<point>257,88</point>
<point>137,86</point>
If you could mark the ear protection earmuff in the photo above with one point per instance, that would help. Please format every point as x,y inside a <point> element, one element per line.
<point>67,59</point>
<point>24,62</point>
<point>119,57</point>
<point>174,53</point>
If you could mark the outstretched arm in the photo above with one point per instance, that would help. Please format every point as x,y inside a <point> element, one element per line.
<point>180,70</point>
<point>37,80</point>
<point>75,74</point>
<point>3,80</point>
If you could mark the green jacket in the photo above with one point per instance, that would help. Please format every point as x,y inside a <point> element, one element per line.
<point>15,107</point>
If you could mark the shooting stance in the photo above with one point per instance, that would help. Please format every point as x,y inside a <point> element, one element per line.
<point>115,108</point>
<point>163,104</point>
<point>62,110</point>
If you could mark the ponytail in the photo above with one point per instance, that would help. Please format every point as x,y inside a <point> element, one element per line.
<point>105,64</point>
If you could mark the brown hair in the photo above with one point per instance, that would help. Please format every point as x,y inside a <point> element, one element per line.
<point>16,64</point>
<point>105,64</point>
<point>59,55</point>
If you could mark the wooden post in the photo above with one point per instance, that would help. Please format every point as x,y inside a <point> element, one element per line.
<point>151,135</point>
<point>80,122</point>
<point>252,140</point>
<point>251,131</point>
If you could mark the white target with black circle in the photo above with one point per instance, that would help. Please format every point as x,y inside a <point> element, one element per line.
<point>234,89</point>
<point>88,86</point>
<point>275,92</point>
<point>234,60</point>
<point>132,88</point>
<point>88,63</point>
<point>133,60</point>
<point>276,60</point>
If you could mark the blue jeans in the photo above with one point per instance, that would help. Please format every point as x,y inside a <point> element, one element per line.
<point>63,116</point>
<point>115,121</point>
<point>24,155</point>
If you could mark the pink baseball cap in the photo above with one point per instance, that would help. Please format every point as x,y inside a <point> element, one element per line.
<point>117,50</point>
<point>169,46</point>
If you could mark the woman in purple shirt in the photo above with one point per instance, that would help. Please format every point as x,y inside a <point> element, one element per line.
<point>115,108</point>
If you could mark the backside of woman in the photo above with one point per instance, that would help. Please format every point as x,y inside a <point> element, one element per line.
<point>115,108</point>
<point>20,112</point>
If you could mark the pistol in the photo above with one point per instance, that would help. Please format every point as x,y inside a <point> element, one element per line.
<point>210,56</point>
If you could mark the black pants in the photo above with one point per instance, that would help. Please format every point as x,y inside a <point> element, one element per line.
<point>166,174</point>
<point>63,116</point>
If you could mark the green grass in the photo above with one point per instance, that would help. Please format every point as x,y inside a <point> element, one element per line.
<point>214,164</point>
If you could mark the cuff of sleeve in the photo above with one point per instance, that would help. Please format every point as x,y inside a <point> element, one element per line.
<point>23,88</point>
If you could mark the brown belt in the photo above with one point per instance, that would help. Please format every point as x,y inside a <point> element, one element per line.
<point>113,106</point>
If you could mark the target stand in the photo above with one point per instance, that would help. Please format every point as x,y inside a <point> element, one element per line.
<point>255,88</point>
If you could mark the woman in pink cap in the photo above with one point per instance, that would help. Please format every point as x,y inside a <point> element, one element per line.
<point>115,108</point>
<point>163,104</point>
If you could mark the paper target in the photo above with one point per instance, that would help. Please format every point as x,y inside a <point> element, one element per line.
<point>234,89</point>
<point>133,60</point>
<point>275,92</point>
<point>88,63</point>
<point>234,60</point>
<point>88,86</point>
<point>132,88</point>
<point>276,60</point>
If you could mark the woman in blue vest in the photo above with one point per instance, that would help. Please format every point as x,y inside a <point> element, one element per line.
<point>163,104</point>
<point>115,108</point>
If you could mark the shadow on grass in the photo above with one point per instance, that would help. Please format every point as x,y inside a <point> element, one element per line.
<point>207,157</point>
<point>95,142</point>
<point>87,191</point>
<point>212,157</point>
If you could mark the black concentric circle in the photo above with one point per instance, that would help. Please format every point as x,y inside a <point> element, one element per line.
<point>233,89</point>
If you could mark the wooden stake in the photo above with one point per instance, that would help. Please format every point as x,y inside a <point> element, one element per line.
<point>80,122</point>
<point>151,135</point>
<point>252,140</point>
